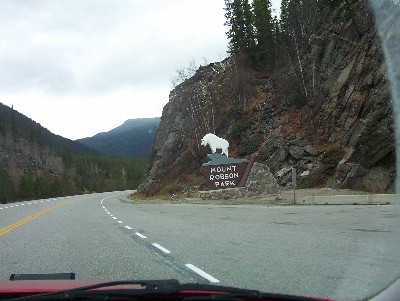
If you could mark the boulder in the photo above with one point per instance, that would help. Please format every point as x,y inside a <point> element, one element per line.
<point>296,152</point>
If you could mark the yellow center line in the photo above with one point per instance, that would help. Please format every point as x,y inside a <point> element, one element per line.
<point>27,219</point>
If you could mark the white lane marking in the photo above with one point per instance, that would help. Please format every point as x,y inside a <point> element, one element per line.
<point>201,273</point>
<point>140,235</point>
<point>129,228</point>
<point>120,222</point>
<point>27,203</point>
<point>109,213</point>
<point>114,217</point>
<point>161,248</point>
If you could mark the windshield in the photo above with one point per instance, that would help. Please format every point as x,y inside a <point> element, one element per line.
<point>242,143</point>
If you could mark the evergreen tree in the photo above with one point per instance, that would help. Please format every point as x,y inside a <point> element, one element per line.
<point>263,24</point>
<point>239,18</point>
<point>278,55</point>
<point>284,15</point>
<point>14,132</point>
<point>27,186</point>
<point>7,192</point>
<point>248,27</point>
<point>3,128</point>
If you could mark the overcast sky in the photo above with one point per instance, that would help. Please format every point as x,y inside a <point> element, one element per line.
<point>80,67</point>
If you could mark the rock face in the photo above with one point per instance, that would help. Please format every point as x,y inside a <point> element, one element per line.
<point>341,135</point>
<point>197,106</point>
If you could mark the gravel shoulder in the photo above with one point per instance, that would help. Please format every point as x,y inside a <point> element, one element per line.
<point>284,197</point>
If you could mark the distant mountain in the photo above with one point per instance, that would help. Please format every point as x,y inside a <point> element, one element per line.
<point>134,139</point>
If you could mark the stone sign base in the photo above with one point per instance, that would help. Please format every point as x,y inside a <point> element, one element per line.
<point>259,182</point>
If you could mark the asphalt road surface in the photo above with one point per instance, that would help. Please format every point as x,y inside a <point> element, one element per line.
<point>340,252</point>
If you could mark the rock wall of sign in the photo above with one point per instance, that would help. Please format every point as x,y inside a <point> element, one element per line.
<point>259,182</point>
<point>222,172</point>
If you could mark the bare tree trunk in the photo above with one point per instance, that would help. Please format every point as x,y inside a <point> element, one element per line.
<point>300,64</point>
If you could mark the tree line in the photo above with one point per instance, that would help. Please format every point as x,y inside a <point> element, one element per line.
<point>256,30</point>
<point>56,173</point>
<point>269,42</point>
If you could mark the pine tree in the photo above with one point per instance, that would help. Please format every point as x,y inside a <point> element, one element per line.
<point>14,132</point>
<point>284,15</point>
<point>239,18</point>
<point>27,186</point>
<point>279,51</point>
<point>248,27</point>
<point>3,128</point>
<point>263,24</point>
<point>7,191</point>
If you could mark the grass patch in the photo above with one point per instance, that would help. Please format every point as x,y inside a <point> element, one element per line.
<point>171,188</point>
<point>142,197</point>
<point>241,126</point>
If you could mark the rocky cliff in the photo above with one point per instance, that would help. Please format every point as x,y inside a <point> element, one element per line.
<point>338,132</point>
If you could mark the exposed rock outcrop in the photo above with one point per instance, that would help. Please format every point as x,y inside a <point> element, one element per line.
<point>341,135</point>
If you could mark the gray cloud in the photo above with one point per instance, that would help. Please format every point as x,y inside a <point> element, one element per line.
<point>63,59</point>
<point>96,46</point>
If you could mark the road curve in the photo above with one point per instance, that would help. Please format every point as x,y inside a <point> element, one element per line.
<point>338,252</point>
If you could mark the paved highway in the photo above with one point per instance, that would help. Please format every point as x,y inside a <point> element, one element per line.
<point>342,252</point>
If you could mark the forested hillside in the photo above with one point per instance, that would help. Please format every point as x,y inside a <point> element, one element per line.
<point>34,163</point>
<point>307,90</point>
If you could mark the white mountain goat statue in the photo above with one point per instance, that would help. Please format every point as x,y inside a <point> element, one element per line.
<point>215,143</point>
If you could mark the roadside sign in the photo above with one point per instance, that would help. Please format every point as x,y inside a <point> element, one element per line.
<point>294,184</point>
<point>294,176</point>
<point>222,172</point>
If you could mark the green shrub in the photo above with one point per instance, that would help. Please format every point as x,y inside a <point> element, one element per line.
<point>263,155</point>
<point>240,127</point>
<point>249,146</point>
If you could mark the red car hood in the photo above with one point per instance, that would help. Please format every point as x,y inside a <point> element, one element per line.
<point>47,286</point>
<point>19,288</point>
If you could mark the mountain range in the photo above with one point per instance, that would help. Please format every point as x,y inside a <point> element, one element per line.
<point>35,163</point>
